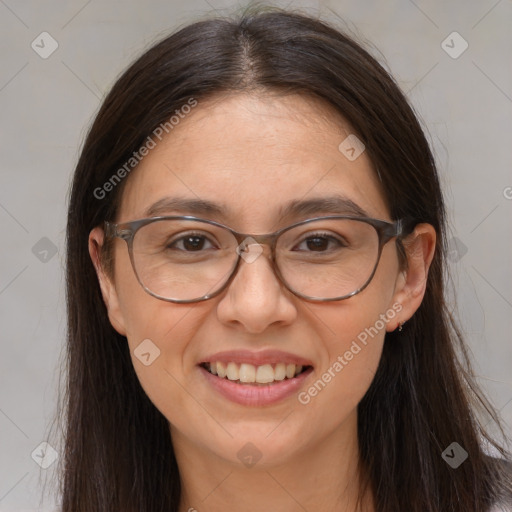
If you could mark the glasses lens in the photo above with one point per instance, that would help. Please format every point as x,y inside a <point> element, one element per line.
<point>182,259</point>
<point>326,259</point>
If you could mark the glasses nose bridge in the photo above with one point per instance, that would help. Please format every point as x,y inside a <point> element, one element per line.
<point>245,239</point>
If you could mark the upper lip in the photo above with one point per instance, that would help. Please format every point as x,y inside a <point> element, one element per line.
<point>257,358</point>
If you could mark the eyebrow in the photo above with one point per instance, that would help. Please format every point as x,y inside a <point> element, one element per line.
<point>184,205</point>
<point>335,204</point>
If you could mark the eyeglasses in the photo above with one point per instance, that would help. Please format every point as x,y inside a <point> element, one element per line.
<point>185,259</point>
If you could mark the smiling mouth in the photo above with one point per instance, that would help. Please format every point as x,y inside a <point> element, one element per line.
<point>245,373</point>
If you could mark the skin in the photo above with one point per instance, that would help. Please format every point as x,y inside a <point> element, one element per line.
<point>252,154</point>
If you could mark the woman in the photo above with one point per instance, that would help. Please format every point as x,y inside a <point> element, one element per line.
<point>256,253</point>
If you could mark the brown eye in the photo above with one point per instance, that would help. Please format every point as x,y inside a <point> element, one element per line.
<point>191,243</point>
<point>319,243</point>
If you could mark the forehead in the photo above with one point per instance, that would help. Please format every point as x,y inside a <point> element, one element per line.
<point>251,158</point>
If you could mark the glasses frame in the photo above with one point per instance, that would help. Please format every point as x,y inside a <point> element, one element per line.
<point>127,230</point>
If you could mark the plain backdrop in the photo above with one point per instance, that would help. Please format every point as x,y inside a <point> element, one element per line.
<point>463,98</point>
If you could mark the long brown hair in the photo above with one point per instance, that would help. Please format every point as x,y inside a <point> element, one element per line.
<point>117,453</point>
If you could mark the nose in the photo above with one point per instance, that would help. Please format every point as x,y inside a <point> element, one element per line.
<point>256,299</point>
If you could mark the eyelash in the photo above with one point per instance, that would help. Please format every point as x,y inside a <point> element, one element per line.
<point>323,235</point>
<point>184,237</point>
<point>309,236</point>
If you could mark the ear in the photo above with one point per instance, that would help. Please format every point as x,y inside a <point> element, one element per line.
<point>412,282</point>
<point>108,290</point>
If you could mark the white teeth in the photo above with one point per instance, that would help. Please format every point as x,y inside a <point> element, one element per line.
<point>280,371</point>
<point>221,370</point>
<point>290,370</point>
<point>232,371</point>
<point>248,373</point>
<point>265,374</point>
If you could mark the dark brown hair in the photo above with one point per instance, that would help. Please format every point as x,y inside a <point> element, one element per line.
<point>423,396</point>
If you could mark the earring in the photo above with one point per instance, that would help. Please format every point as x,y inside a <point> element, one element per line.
<point>400,326</point>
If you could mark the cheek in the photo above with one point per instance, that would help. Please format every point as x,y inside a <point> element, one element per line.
<point>145,316</point>
<point>158,337</point>
<point>353,366</point>
<point>158,334</point>
<point>353,332</point>
<point>355,351</point>
<point>344,378</point>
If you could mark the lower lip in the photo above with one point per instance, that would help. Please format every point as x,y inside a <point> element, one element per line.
<point>256,395</point>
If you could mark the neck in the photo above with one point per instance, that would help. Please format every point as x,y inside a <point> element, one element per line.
<point>322,477</point>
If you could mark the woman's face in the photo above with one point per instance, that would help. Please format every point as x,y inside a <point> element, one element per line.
<point>253,156</point>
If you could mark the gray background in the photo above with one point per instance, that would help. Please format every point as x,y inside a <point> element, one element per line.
<point>46,105</point>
